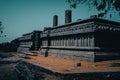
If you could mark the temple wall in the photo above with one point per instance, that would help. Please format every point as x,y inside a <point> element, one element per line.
<point>92,40</point>
<point>84,40</point>
<point>105,55</point>
<point>30,41</point>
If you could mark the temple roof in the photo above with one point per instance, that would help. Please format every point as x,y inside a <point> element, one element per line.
<point>94,19</point>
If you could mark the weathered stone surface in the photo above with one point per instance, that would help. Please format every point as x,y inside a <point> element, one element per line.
<point>92,39</point>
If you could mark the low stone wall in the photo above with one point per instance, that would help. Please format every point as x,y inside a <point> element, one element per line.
<point>22,49</point>
<point>100,56</point>
<point>73,54</point>
<point>89,55</point>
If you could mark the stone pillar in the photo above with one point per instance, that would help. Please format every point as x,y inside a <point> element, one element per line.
<point>55,20</point>
<point>88,40</point>
<point>62,42</point>
<point>85,41</point>
<point>92,40</point>
<point>55,42</point>
<point>78,41</point>
<point>68,16</point>
<point>75,41</point>
<point>66,42</point>
<point>70,41</point>
<point>51,43</point>
<point>44,42</point>
<point>58,42</point>
<point>81,41</point>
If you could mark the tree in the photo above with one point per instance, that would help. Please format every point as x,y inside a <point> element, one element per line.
<point>1,28</point>
<point>103,6</point>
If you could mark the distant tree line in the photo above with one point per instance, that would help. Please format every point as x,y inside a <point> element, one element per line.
<point>9,46</point>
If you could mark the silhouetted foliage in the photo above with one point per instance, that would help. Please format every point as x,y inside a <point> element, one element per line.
<point>1,28</point>
<point>103,6</point>
<point>9,46</point>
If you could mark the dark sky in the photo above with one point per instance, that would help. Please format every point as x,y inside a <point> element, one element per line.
<point>24,16</point>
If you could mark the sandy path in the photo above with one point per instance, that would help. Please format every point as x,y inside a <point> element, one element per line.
<point>70,65</point>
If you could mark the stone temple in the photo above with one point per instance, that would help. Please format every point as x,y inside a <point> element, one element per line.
<point>29,42</point>
<point>92,39</point>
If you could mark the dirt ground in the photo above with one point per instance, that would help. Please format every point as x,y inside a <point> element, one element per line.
<point>74,66</point>
<point>61,65</point>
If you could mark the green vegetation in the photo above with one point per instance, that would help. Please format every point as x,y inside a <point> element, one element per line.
<point>103,6</point>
